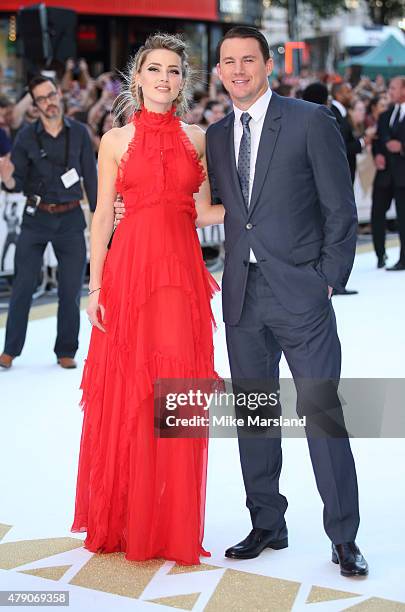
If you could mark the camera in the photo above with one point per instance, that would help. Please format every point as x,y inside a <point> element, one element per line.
<point>76,72</point>
<point>32,204</point>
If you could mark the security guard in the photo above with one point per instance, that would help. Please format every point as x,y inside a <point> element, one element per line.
<point>47,160</point>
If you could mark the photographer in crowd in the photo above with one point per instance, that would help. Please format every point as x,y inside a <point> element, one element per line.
<point>47,160</point>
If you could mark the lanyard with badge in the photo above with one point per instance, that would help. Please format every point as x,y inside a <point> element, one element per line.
<point>70,176</point>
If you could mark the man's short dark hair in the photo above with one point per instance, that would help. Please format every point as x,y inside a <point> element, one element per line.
<point>246,32</point>
<point>336,87</point>
<point>316,92</point>
<point>284,89</point>
<point>38,80</point>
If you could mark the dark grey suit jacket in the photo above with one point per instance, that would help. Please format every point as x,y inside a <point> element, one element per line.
<point>394,173</point>
<point>302,219</point>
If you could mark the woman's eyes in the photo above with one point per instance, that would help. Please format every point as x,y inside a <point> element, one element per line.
<point>154,69</point>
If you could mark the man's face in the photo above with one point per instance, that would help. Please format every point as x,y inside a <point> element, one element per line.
<point>345,94</point>
<point>32,113</point>
<point>396,91</point>
<point>243,70</point>
<point>48,100</point>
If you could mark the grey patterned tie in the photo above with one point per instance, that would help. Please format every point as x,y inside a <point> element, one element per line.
<point>244,158</point>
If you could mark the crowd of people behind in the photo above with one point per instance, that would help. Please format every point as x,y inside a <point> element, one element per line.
<point>90,100</point>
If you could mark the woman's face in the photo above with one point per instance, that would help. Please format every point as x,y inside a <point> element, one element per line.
<point>358,112</point>
<point>160,78</point>
<point>381,105</point>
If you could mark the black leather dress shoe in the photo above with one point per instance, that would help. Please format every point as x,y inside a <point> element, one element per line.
<point>381,261</point>
<point>257,541</point>
<point>350,559</point>
<point>344,291</point>
<point>400,265</point>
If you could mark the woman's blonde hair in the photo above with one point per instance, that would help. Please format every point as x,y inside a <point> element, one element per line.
<point>131,97</point>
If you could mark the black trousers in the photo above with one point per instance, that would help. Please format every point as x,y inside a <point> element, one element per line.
<point>311,346</point>
<point>381,201</point>
<point>70,250</point>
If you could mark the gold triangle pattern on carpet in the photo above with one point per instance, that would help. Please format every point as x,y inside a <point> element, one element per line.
<point>185,569</point>
<point>3,530</point>
<point>376,604</point>
<point>319,594</point>
<point>182,602</point>
<point>51,573</point>
<point>113,573</point>
<point>13,554</point>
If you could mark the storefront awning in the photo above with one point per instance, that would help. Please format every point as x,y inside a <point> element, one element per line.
<point>387,59</point>
<point>205,10</point>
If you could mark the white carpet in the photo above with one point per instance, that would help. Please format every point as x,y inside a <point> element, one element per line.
<point>40,434</point>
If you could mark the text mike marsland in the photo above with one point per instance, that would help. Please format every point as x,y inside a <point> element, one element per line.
<point>230,421</point>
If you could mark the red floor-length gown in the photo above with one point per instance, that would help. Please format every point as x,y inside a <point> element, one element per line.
<point>137,493</point>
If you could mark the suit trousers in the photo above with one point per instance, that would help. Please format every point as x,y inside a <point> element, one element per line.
<point>70,251</point>
<point>382,197</point>
<point>311,346</point>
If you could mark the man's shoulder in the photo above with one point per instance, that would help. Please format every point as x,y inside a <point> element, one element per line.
<point>386,115</point>
<point>26,131</point>
<point>298,106</point>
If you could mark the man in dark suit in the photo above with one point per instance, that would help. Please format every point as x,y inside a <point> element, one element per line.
<point>279,167</point>
<point>341,99</point>
<point>389,182</point>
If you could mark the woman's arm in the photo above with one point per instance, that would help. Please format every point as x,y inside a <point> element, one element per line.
<point>102,224</point>
<point>207,213</point>
<point>19,110</point>
<point>103,218</point>
<point>67,76</point>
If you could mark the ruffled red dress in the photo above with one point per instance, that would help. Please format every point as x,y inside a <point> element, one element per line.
<point>137,493</point>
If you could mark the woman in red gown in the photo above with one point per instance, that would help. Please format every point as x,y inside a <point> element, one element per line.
<point>150,309</point>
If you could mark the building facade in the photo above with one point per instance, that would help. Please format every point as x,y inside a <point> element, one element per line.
<point>110,31</point>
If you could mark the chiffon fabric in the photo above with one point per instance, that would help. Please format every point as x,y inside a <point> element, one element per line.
<point>138,493</point>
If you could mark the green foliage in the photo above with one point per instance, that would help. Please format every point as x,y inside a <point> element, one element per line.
<point>381,11</point>
<point>326,8</point>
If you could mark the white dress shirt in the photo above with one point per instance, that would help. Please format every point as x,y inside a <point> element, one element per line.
<point>258,112</point>
<point>342,109</point>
